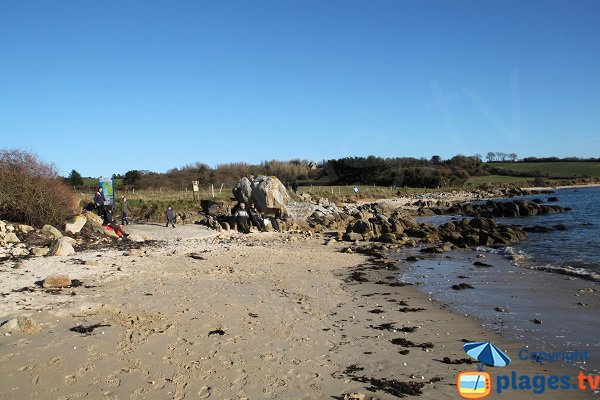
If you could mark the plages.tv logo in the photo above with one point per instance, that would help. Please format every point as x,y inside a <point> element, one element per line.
<point>478,384</point>
<point>474,385</point>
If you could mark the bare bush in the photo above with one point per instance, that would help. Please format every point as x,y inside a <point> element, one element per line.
<point>31,191</point>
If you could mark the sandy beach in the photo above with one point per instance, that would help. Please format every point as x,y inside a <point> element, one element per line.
<point>196,315</point>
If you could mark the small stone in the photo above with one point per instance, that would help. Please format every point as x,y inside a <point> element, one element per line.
<point>499,309</point>
<point>11,238</point>
<point>40,251</point>
<point>21,324</point>
<point>25,228</point>
<point>134,237</point>
<point>56,281</point>
<point>49,229</point>
<point>77,224</point>
<point>135,252</point>
<point>62,247</point>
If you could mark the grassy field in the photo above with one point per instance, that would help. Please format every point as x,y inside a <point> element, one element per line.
<point>555,169</point>
<point>496,179</point>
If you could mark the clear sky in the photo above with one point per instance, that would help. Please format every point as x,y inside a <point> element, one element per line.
<point>108,86</point>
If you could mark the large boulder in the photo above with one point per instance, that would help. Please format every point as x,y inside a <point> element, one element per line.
<point>269,193</point>
<point>215,208</point>
<point>77,224</point>
<point>242,191</point>
<point>94,221</point>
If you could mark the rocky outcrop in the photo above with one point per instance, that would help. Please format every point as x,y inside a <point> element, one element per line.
<point>510,209</point>
<point>242,191</point>
<point>215,208</point>
<point>266,192</point>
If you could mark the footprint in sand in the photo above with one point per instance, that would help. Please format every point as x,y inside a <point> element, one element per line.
<point>84,369</point>
<point>204,392</point>
<point>55,361</point>
<point>70,380</point>
<point>112,381</point>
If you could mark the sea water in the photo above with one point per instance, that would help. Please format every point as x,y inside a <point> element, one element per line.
<point>522,281</point>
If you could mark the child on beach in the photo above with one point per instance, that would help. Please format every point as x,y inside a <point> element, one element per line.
<point>124,211</point>
<point>170,217</point>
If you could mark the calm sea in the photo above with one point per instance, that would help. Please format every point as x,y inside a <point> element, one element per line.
<point>578,246</point>
<point>569,307</point>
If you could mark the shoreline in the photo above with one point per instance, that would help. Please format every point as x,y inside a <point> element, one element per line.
<point>257,316</point>
<point>506,299</point>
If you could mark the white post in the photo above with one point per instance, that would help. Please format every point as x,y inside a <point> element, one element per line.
<point>212,188</point>
<point>221,188</point>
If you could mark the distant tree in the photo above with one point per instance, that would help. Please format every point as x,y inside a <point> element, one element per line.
<point>132,177</point>
<point>75,179</point>
<point>478,157</point>
<point>491,156</point>
<point>436,159</point>
<point>512,157</point>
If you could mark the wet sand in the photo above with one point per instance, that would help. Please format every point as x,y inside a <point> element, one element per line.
<point>247,317</point>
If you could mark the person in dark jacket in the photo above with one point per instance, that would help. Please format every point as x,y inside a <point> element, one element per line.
<point>170,217</point>
<point>256,218</point>
<point>99,201</point>
<point>124,211</point>
<point>110,221</point>
<point>241,217</point>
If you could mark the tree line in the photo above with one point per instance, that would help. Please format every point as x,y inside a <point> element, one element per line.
<point>394,171</point>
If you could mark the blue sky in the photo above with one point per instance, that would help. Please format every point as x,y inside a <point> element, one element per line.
<point>109,86</point>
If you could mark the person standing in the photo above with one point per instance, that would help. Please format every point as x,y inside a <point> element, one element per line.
<point>99,201</point>
<point>124,211</point>
<point>170,217</point>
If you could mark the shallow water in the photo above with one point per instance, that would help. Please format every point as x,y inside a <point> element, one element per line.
<point>524,294</point>
<point>578,247</point>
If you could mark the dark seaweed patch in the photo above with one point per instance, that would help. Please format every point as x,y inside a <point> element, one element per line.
<point>410,309</point>
<point>448,360</point>
<point>86,330</point>
<point>407,343</point>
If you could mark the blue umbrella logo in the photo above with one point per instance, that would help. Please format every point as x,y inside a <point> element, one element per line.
<point>487,354</point>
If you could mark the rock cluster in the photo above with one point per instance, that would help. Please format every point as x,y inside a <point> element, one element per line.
<point>511,209</point>
<point>19,240</point>
<point>266,192</point>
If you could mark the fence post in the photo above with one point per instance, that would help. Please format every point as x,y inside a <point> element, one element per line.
<point>221,188</point>
<point>212,188</point>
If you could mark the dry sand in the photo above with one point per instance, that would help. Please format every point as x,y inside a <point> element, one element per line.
<point>251,317</point>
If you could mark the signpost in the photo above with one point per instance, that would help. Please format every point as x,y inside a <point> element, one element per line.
<point>195,188</point>
<point>109,190</point>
